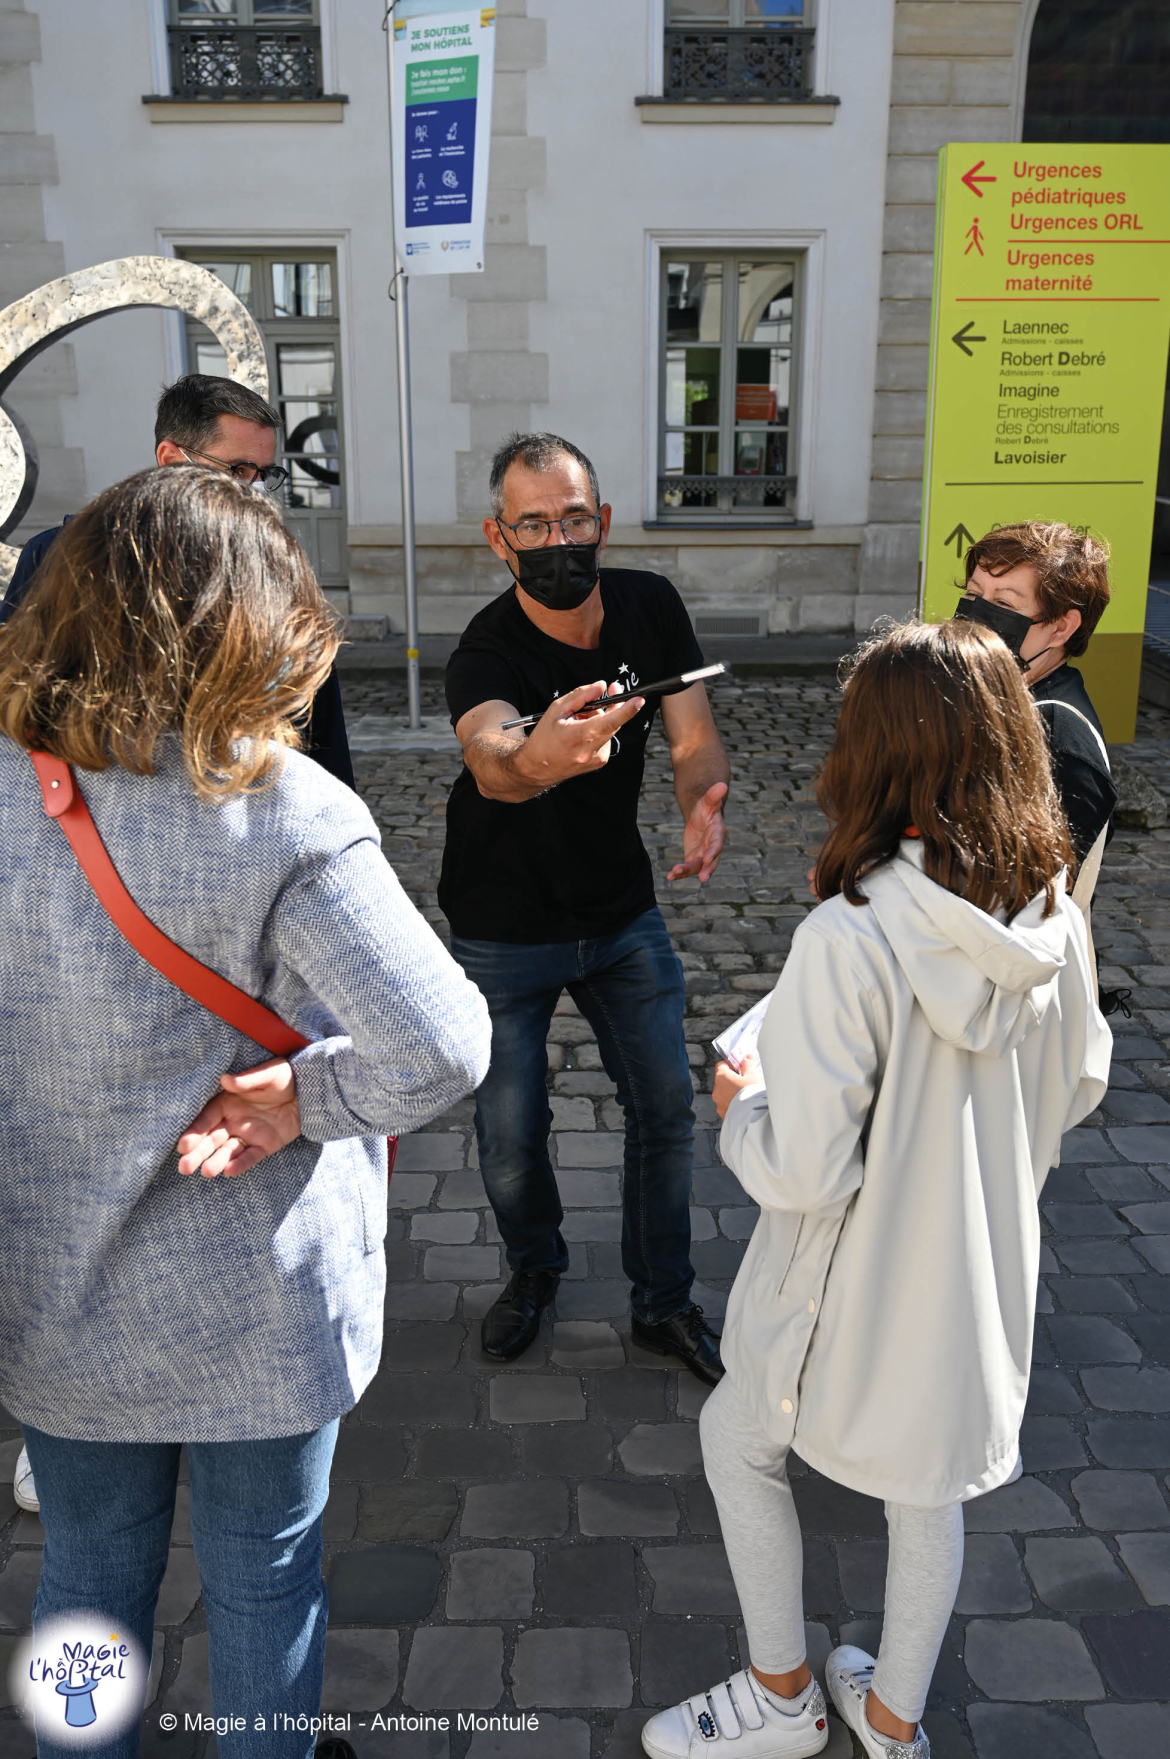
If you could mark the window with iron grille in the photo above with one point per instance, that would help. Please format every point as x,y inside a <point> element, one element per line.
<point>244,50</point>
<point>739,51</point>
<point>726,372</point>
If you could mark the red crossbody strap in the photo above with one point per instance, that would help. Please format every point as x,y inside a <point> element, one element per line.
<point>64,802</point>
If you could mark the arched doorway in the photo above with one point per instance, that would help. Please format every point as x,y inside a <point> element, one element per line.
<point>1099,70</point>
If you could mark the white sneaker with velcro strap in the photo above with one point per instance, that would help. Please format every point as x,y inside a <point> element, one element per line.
<point>849,1676</point>
<point>735,1720</point>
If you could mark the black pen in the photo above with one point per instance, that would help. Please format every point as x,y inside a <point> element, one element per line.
<point>625,695</point>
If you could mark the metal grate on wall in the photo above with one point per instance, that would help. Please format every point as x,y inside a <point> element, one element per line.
<point>719,624</point>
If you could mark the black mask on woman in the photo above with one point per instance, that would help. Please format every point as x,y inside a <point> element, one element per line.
<point>1011,626</point>
<point>559,576</point>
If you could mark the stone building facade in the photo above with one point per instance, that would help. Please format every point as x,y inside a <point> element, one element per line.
<point>605,183</point>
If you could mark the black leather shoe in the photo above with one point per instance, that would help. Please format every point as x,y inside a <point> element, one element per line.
<point>687,1336</point>
<point>511,1322</point>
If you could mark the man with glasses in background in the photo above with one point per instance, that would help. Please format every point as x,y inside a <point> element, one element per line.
<point>211,421</point>
<point>214,422</point>
<point>547,886</point>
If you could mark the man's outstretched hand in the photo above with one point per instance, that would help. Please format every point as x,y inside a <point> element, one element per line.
<point>256,1114</point>
<point>703,836</point>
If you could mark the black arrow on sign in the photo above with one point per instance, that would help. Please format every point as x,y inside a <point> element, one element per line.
<point>963,336</point>
<point>957,537</point>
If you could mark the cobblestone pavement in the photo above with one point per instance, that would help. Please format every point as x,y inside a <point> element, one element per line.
<point>539,1539</point>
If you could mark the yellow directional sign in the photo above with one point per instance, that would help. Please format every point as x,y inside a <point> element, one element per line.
<point>1049,331</point>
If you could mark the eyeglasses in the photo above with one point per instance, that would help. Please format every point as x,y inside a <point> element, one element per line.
<point>268,477</point>
<point>576,528</point>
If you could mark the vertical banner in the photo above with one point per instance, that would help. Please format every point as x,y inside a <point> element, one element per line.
<point>1049,330</point>
<point>443,67</point>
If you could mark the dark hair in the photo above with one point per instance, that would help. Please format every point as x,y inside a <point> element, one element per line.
<point>938,730</point>
<point>535,452</point>
<point>1071,568</point>
<point>176,602</point>
<point>189,409</point>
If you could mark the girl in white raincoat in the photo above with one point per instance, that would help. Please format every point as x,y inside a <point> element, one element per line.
<point>932,1035</point>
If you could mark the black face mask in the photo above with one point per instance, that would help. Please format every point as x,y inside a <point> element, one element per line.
<point>1011,626</point>
<point>559,576</point>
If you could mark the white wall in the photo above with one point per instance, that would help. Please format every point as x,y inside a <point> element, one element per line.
<point>752,183</point>
<point>130,185</point>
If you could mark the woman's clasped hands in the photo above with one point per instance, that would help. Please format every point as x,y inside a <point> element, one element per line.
<point>256,1114</point>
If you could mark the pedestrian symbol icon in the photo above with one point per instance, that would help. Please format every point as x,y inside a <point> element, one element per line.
<point>976,238</point>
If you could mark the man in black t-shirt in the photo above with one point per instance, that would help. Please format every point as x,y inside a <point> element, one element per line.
<point>1043,588</point>
<point>547,886</point>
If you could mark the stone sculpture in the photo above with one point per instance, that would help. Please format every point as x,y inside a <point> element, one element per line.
<point>30,325</point>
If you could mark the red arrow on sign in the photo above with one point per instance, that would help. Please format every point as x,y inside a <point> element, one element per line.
<point>972,182</point>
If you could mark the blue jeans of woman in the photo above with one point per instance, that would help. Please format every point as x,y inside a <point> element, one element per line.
<point>629,986</point>
<point>256,1510</point>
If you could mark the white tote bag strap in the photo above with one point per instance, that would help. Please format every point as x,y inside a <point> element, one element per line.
<point>1055,702</point>
<point>1082,892</point>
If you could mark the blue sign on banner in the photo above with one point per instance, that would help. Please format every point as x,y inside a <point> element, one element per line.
<point>440,162</point>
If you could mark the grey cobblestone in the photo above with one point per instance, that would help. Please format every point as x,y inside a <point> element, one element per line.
<point>1084,1338</point>
<point>1129,1731</point>
<point>1129,1442</point>
<point>587,1344</point>
<point>490,1584</point>
<point>1047,1443</point>
<point>636,1510</point>
<point>590,1580</point>
<point>454,1668</point>
<point>1120,1500</point>
<point>691,1579</point>
<point>408,1510</point>
<point>992,1579</point>
<point>661,1450</point>
<point>567,1451</point>
<point>571,1668</point>
<point>537,1510</point>
<point>1030,1661</point>
<point>1147,1558</point>
<point>1013,1731</point>
<point>1024,1507</point>
<point>537,1398</point>
<point>1077,1575</point>
<point>361,1669</point>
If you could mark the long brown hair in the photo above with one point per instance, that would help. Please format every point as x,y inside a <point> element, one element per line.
<point>937,730</point>
<point>175,602</point>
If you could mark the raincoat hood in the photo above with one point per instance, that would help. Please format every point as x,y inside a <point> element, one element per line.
<point>982,983</point>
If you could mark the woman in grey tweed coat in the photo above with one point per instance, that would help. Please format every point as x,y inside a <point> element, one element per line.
<point>174,638</point>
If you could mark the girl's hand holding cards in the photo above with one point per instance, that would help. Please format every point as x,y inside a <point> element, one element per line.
<point>729,1082</point>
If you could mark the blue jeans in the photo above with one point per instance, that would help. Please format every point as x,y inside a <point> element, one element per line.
<point>256,1510</point>
<point>629,986</point>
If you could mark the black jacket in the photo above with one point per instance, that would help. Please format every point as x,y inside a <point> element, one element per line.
<point>1082,776</point>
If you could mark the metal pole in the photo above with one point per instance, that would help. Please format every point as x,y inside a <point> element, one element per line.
<point>405,432</point>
